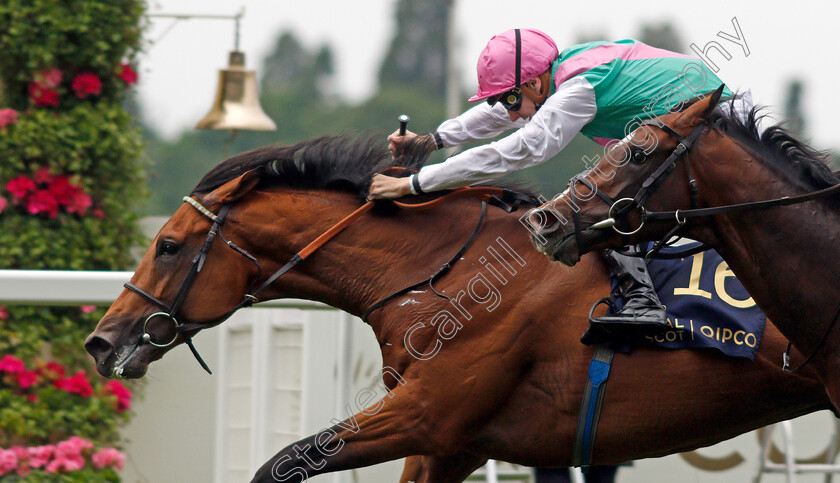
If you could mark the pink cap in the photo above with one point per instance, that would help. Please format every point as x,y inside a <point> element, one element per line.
<point>497,62</point>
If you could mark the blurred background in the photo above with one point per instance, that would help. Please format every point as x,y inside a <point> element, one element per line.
<point>329,67</point>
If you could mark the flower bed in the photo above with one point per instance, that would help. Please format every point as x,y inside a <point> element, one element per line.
<point>70,182</point>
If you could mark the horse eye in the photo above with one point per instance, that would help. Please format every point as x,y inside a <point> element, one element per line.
<point>639,157</point>
<point>168,248</point>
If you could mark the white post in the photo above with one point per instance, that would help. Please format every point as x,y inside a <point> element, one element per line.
<point>491,475</point>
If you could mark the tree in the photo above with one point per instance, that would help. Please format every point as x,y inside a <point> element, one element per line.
<point>662,35</point>
<point>794,112</point>
<point>417,55</point>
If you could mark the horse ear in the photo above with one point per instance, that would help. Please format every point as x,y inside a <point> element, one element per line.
<point>701,110</point>
<point>235,188</point>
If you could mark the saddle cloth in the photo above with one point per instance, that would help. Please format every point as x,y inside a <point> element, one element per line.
<point>706,305</point>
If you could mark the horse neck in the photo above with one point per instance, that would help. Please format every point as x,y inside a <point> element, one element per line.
<point>372,258</point>
<point>773,252</point>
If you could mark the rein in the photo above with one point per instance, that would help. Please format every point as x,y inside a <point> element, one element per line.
<point>502,198</point>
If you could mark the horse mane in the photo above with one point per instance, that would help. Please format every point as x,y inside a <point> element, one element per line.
<point>775,144</point>
<point>344,162</point>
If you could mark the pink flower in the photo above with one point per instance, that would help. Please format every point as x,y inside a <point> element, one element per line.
<point>42,95</point>
<point>74,445</point>
<point>65,463</point>
<point>42,202</point>
<point>86,309</point>
<point>26,379</point>
<point>68,455</point>
<point>123,395</point>
<point>77,384</point>
<point>108,457</point>
<point>50,77</point>
<point>20,187</point>
<point>8,116</point>
<point>99,213</point>
<point>3,205</point>
<point>8,461</point>
<point>4,313</point>
<point>79,204</point>
<point>86,84</point>
<point>11,364</point>
<point>127,74</point>
<point>40,455</point>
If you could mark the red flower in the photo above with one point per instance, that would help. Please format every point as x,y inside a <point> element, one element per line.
<point>79,204</point>
<point>42,176</point>
<point>52,371</point>
<point>20,187</point>
<point>77,384</point>
<point>26,379</point>
<point>86,84</point>
<point>4,313</point>
<point>11,364</point>
<point>8,116</point>
<point>99,213</point>
<point>42,202</point>
<point>3,205</point>
<point>127,74</point>
<point>42,95</point>
<point>122,393</point>
<point>61,189</point>
<point>32,397</point>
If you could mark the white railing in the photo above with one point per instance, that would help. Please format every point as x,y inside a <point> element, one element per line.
<point>74,287</point>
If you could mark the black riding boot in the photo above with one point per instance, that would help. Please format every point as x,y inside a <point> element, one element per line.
<point>642,313</point>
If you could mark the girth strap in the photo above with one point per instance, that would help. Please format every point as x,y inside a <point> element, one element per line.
<point>590,410</point>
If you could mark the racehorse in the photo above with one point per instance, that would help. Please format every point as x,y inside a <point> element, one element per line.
<point>761,199</point>
<point>496,371</point>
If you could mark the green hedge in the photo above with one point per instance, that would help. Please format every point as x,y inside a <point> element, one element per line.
<point>71,185</point>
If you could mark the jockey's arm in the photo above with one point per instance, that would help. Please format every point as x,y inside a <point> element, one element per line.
<point>480,122</point>
<point>562,116</point>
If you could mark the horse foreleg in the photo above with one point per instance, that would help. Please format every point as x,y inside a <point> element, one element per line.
<point>440,469</point>
<point>394,428</point>
<point>412,469</point>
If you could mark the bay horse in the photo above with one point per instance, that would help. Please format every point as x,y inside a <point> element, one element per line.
<point>691,170</point>
<point>496,371</point>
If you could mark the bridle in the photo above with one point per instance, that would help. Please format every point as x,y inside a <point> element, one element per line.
<point>502,198</point>
<point>622,206</point>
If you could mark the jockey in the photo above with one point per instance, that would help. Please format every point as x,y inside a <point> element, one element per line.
<point>599,89</point>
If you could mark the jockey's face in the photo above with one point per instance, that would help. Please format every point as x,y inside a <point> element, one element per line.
<point>528,107</point>
<point>527,110</point>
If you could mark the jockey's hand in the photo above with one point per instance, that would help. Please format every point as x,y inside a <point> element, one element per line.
<point>388,188</point>
<point>397,143</point>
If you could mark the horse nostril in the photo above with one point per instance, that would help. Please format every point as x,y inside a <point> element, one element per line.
<point>542,223</point>
<point>98,347</point>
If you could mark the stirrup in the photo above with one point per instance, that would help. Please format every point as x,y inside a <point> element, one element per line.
<point>605,300</point>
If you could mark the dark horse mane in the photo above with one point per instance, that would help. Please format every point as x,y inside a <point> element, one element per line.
<point>775,144</point>
<point>345,162</point>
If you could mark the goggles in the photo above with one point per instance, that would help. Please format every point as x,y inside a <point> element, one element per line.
<point>511,100</point>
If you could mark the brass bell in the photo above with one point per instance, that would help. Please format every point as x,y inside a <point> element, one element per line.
<point>237,105</point>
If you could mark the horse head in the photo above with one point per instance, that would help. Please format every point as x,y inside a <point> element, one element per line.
<point>182,267</point>
<point>605,207</point>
